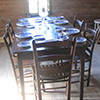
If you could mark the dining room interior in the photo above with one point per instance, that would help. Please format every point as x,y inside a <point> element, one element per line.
<point>49,22</point>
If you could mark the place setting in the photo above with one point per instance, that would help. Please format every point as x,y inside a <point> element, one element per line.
<point>54,20</point>
<point>60,17</point>
<point>23,35</point>
<point>71,31</point>
<point>60,29</point>
<point>24,44</point>
<point>22,24</point>
<point>61,22</point>
<point>38,37</point>
<point>81,40</point>
<point>25,24</point>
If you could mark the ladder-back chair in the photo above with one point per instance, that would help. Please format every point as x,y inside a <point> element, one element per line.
<point>27,69</point>
<point>45,70</point>
<point>8,44</point>
<point>91,35</point>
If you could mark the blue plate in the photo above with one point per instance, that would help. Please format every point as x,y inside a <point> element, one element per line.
<point>70,31</point>
<point>61,22</point>
<point>23,35</point>
<point>22,24</point>
<point>30,26</point>
<point>60,17</point>
<point>59,29</point>
<point>23,44</point>
<point>39,37</point>
<point>81,39</point>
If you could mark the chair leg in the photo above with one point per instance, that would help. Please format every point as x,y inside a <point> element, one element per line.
<point>75,64</point>
<point>39,90</point>
<point>68,89</point>
<point>35,91</point>
<point>35,87</point>
<point>16,74</point>
<point>89,72</point>
<point>43,86</point>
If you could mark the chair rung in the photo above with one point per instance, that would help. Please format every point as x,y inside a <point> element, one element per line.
<point>54,88</point>
<point>27,73</point>
<point>55,81</point>
<point>27,76</point>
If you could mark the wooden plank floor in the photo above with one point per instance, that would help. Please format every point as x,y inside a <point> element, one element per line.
<point>9,91</point>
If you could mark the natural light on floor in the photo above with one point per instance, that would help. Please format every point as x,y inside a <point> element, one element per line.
<point>8,90</point>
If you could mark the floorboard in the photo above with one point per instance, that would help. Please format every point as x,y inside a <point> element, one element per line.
<point>9,91</point>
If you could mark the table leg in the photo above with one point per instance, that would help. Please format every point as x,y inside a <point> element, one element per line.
<point>21,76</point>
<point>82,58</point>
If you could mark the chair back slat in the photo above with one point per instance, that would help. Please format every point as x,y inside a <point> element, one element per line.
<point>56,50</point>
<point>7,38</point>
<point>54,43</point>
<point>10,30</point>
<point>78,24</point>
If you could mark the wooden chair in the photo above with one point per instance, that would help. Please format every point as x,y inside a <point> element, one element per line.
<point>91,36</point>
<point>8,44</point>
<point>78,24</point>
<point>46,71</point>
<point>27,70</point>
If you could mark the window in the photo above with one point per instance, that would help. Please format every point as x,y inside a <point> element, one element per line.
<point>33,7</point>
<point>39,7</point>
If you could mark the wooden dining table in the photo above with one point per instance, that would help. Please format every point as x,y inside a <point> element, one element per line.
<point>44,29</point>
